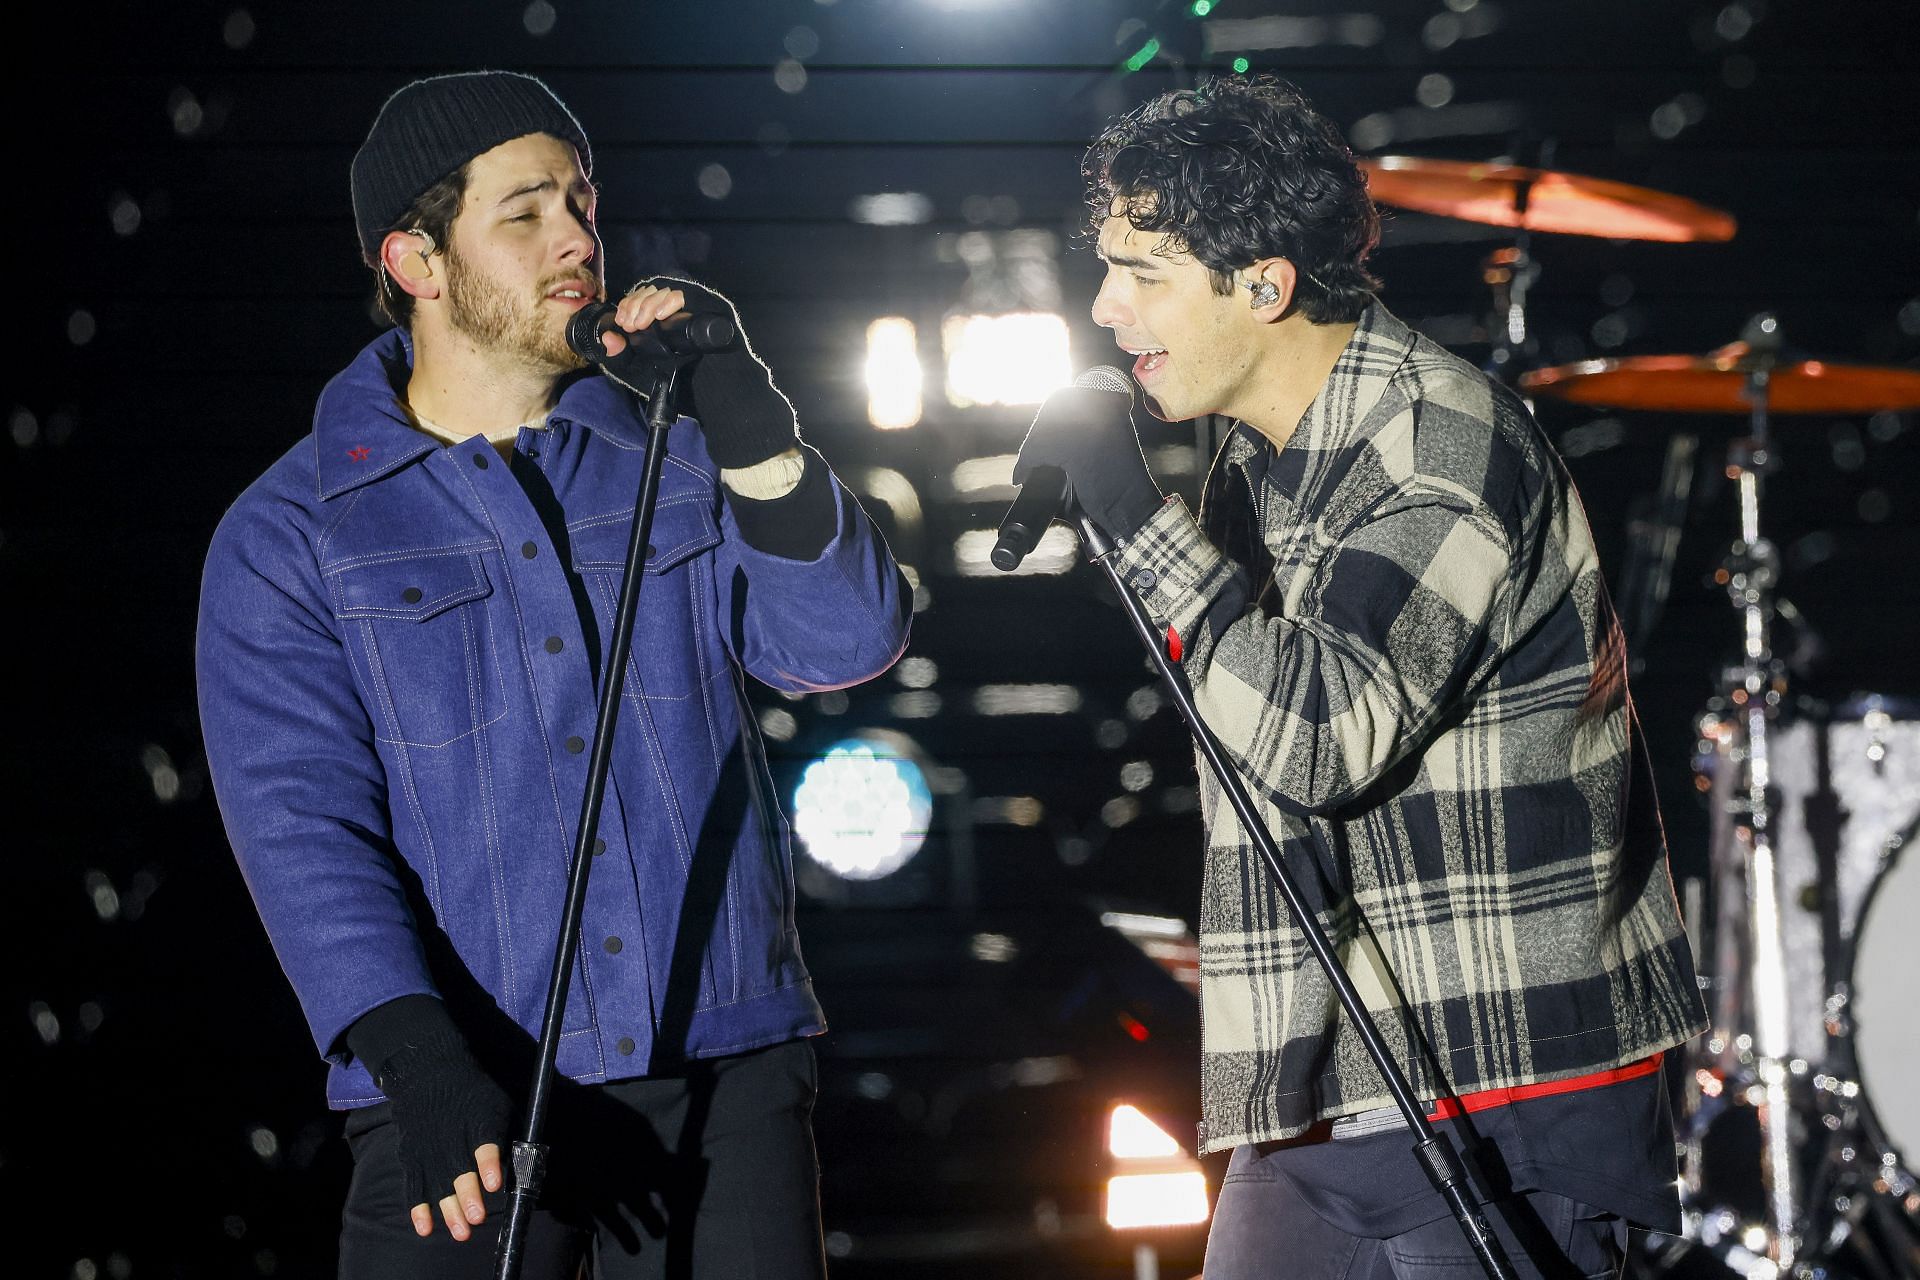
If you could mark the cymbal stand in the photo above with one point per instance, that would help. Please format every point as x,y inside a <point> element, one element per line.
<point>1509,273</point>
<point>1757,684</point>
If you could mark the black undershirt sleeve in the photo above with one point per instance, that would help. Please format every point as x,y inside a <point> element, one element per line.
<point>798,524</point>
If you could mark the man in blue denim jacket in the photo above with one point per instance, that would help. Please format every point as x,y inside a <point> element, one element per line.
<point>401,635</point>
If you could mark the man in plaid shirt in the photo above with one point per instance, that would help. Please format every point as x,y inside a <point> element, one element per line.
<point>1391,613</point>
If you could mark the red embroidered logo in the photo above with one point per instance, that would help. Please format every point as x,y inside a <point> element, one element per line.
<point>359,453</point>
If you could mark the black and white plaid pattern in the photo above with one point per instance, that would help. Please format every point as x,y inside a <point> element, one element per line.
<point>1428,701</point>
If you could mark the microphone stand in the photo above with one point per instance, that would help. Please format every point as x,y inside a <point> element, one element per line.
<point>1433,1149</point>
<point>529,1151</point>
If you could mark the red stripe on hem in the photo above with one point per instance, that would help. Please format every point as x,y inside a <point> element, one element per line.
<point>1447,1108</point>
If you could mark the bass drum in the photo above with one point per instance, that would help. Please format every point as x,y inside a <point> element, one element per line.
<point>1882,1003</point>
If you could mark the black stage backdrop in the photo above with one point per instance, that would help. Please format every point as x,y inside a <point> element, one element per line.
<point>184,279</point>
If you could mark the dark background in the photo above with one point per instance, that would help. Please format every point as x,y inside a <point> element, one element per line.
<point>185,279</point>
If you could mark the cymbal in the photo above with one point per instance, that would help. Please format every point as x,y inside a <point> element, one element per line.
<point>1717,383</point>
<point>1563,203</point>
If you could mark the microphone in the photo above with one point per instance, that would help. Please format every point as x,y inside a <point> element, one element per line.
<point>1045,493</point>
<point>677,337</point>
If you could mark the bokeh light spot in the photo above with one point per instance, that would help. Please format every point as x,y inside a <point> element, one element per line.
<point>238,30</point>
<point>861,813</point>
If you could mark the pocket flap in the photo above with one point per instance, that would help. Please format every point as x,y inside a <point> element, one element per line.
<point>411,590</point>
<point>681,530</point>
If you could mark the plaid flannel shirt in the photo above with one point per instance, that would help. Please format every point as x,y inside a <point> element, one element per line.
<point>1411,659</point>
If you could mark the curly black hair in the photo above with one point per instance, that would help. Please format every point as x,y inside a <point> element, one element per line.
<point>1240,169</point>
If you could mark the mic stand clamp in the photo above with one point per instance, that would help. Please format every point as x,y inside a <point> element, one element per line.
<point>529,1151</point>
<point>1432,1149</point>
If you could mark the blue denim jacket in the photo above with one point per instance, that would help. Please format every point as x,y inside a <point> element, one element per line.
<point>397,684</point>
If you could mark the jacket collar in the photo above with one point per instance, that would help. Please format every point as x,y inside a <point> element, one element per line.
<point>362,432</point>
<point>1360,376</point>
<point>1365,368</point>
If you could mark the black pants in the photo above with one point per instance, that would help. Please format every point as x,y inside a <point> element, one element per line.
<point>1262,1229</point>
<point>709,1173</point>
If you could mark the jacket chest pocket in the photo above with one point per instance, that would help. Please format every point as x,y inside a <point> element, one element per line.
<point>425,644</point>
<point>675,640</point>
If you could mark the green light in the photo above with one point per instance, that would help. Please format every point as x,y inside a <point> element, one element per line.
<point>1144,56</point>
<point>1201,8</point>
<point>1240,66</point>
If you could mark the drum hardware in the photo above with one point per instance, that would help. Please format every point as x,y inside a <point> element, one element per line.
<point>1719,383</point>
<point>1829,1193</point>
<point>1508,274</point>
<point>1653,539</point>
<point>1760,1050</point>
<point>1530,200</point>
<point>1538,199</point>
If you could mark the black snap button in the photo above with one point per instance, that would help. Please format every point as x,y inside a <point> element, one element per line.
<point>613,946</point>
<point>576,745</point>
<point>411,595</point>
<point>528,550</point>
<point>555,644</point>
<point>650,551</point>
<point>599,847</point>
<point>625,1046</point>
<point>480,461</point>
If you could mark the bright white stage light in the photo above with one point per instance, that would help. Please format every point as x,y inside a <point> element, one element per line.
<point>1017,358</point>
<point>1155,1182</point>
<point>1132,1136</point>
<point>893,374</point>
<point>1137,1200</point>
<point>860,811</point>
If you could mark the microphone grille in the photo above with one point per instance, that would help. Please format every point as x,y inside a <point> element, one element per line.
<point>583,331</point>
<point>1104,377</point>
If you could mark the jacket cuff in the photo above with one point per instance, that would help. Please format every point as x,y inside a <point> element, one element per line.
<point>386,1029</point>
<point>1175,571</point>
<point>799,524</point>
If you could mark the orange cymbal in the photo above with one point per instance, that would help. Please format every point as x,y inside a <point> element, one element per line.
<point>1563,203</point>
<point>1717,383</point>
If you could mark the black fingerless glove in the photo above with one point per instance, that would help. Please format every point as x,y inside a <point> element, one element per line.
<point>743,415</point>
<point>444,1105</point>
<point>1088,434</point>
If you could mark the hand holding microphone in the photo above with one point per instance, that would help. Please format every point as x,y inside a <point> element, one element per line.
<point>743,415</point>
<point>1081,452</point>
<point>650,323</point>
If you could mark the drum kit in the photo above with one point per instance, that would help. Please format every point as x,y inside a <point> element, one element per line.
<point>1799,1109</point>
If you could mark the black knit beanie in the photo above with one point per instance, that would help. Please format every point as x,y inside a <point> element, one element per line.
<point>433,126</point>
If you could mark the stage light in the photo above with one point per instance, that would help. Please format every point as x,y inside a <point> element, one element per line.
<point>893,374</point>
<point>1155,1183</point>
<point>1014,358</point>
<point>1136,1200</point>
<point>1143,55</point>
<point>1240,66</point>
<point>1026,700</point>
<point>861,810</point>
<point>1132,1136</point>
<point>891,209</point>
